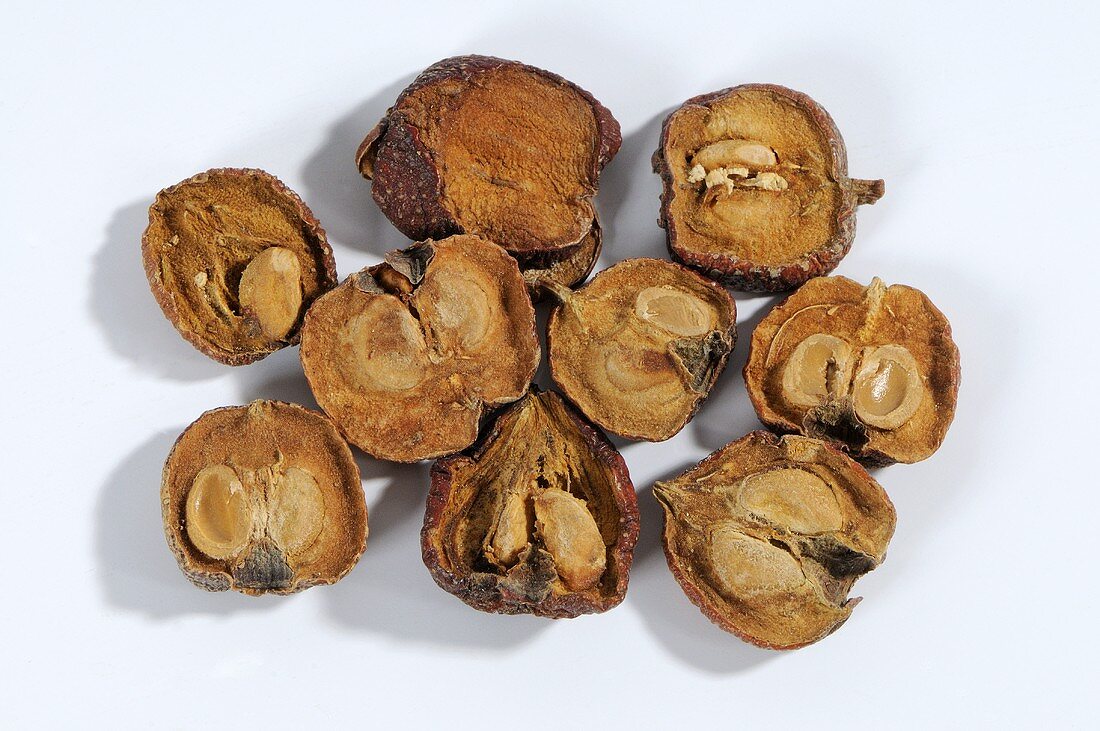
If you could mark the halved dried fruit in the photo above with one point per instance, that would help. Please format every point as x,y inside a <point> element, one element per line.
<point>756,187</point>
<point>486,146</point>
<point>540,518</point>
<point>872,369</point>
<point>234,258</point>
<point>407,356</point>
<point>767,535</point>
<point>639,347</point>
<point>263,498</point>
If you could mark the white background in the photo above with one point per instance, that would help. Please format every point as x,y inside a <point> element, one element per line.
<point>984,122</point>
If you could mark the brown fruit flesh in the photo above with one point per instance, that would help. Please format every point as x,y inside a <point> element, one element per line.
<point>639,347</point>
<point>894,369</point>
<point>263,498</point>
<point>540,518</point>
<point>486,146</point>
<point>767,535</point>
<point>208,256</point>
<point>406,358</point>
<point>756,187</point>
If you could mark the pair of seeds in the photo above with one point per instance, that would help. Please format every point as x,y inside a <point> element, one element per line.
<point>407,357</point>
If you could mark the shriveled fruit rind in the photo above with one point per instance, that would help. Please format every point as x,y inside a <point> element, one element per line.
<point>892,369</point>
<point>542,274</point>
<point>767,535</point>
<point>492,147</point>
<point>639,347</point>
<point>540,518</point>
<point>264,498</point>
<point>234,258</point>
<point>756,187</point>
<point>407,356</point>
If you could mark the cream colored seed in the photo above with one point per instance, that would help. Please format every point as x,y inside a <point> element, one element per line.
<point>271,291</point>
<point>572,537</point>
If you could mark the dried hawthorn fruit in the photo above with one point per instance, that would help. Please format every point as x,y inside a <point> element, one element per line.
<point>767,535</point>
<point>540,518</point>
<point>639,347</point>
<point>234,258</point>
<point>872,369</point>
<point>263,498</point>
<point>756,187</point>
<point>486,146</point>
<point>406,356</point>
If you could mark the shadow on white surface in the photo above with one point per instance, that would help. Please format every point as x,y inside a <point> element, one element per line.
<point>391,592</point>
<point>278,377</point>
<point>727,414</point>
<point>136,568</point>
<point>338,195</point>
<point>629,198</point>
<point>126,312</point>
<point>669,615</point>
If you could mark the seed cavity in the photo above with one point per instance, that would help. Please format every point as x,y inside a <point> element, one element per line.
<point>571,536</point>
<point>888,389</point>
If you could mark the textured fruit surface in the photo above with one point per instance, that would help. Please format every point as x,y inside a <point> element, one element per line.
<point>756,187</point>
<point>407,356</point>
<point>263,498</point>
<point>234,259</point>
<point>767,535</point>
<point>872,369</point>
<point>539,518</point>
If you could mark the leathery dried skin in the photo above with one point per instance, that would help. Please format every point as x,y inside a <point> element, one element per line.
<point>234,258</point>
<point>406,356</point>
<point>756,190</point>
<point>539,518</point>
<point>768,534</point>
<point>639,347</point>
<point>264,498</point>
<point>873,369</point>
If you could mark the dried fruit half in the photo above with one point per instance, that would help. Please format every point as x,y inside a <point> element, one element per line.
<point>234,258</point>
<point>486,146</point>
<point>540,518</point>
<point>767,535</point>
<point>639,347</point>
<point>263,498</point>
<point>406,356</point>
<point>872,369</point>
<point>756,187</point>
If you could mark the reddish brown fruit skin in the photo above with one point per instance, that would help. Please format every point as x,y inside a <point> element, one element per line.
<point>743,275</point>
<point>699,599</point>
<point>327,267</point>
<point>405,184</point>
<point>489,595</point>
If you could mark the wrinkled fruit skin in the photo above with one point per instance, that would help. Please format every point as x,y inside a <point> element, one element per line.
<point>407,356</point>
<point>276,553</point>
<point>702,355</point>
<point>531,587</point>
<point>866,318</point>
<point>406,183</point>
<point>323,264</point>
<point>762,450</point>
<point>745,275</point>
